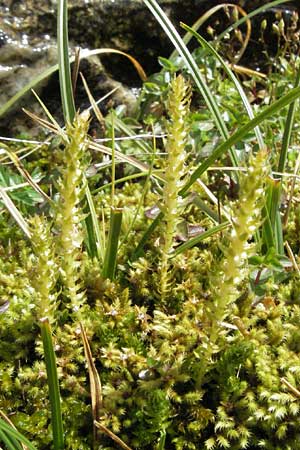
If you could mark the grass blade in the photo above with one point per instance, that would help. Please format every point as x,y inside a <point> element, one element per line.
<point>112,436</point>
<point>65,79</point>
<point>111,252</point>
<point>140,247</point>
<point>52,378</point>
<point>196,240</point>
<point>9,204</point>
<point>95,242</point>
<point>16,444</point>
<point>10,442</point>
<point>267,230</point>
<point>241,133</point>
<point>6,439</point>
<point>10,431</point>
<point>193,69</point>
<point>233,78</point>
<point>290,121</point>
<point>277,187</point>
<point>95,383</point>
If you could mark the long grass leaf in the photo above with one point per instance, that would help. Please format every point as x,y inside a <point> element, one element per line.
<point>95,383</point>
<point>25,174</point>
<point>196,240</point>
<point>233,78</point>
<point>289,124</point>
<point>139,250</point>
<point>193,69</point>
<point>278,232</point>
<point>125,158</point>
<point>9,204</point>
<point>9,441</point>
<point>93,103</point>
<point>277,188</point>
<point>16,442</point>
<point>111,251</point>
<point>95,238</point>
<point>65,79</point>
<point>267,230</point>
<point>241,133</point>
<point>52,378</point>
<point>112,436</point>
<point>9,430</point>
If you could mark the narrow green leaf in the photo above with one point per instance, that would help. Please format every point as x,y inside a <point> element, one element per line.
<point>138,252</point>
<point>95,243</point>
<point>9,441</point>
<point>277,186</point>
<point>273,203</point>
<point>267,231</point>
<point>240,134</point>
<point>290,121</point>
<point>111,252</point>
<point>13,210</point>
<point>52,378</point>
<point>65,78</point>
<point>196,240</point>
<point>233,78</point>
<point>95,383</point>
<point>279,234</point>
<point>193,69</point>
<point>9,430</point>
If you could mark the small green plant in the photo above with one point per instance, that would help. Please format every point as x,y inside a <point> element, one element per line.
<point>175,175</point>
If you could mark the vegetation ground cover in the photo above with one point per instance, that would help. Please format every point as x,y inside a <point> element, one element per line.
<point>150,274</point>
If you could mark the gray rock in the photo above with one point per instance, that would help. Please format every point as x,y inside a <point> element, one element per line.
<point>28,43</point>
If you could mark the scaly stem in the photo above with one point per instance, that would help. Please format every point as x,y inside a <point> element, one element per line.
<point>175,171</point>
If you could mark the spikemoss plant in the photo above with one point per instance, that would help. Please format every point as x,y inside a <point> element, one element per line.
<point>232,270</point>
<point>175,173</point>
<point>246,220</point>
<point>69,211</point>
<point>45,268</point>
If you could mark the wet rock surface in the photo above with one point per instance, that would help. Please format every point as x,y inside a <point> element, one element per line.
<point>28,41</point>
